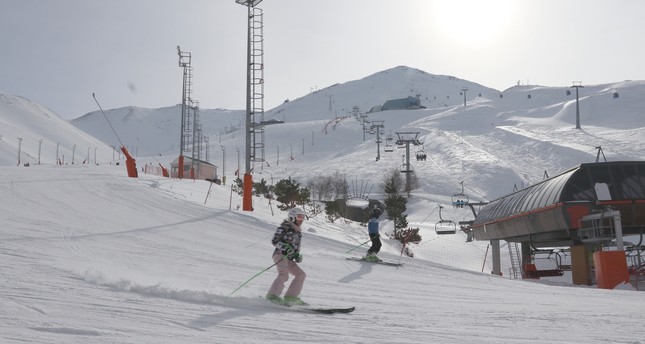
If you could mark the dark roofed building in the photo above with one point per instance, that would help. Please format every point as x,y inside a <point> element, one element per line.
<point>408,103</point>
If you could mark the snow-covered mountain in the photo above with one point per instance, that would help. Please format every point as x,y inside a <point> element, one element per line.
<point>498,141</point>
<point>147,132</point>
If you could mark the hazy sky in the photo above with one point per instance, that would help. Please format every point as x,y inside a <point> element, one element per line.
<point>59,52</point>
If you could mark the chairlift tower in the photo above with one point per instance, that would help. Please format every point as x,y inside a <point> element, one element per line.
<point>364,121</point>
<point>388,143</point>
<point>378,126</point>
<point>463,90</point>
<point>407,138</point>
<point>254,96</point>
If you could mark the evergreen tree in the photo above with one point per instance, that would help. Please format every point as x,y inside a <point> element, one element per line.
<point>332,210</point>
<point>395,204</point>
<point>262,189</point>
<point>289,193</point>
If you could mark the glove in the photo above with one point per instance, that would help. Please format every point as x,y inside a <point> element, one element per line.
<point>287,249</point>
<point>297,258</point>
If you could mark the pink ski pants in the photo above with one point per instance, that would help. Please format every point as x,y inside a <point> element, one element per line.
<point>286,267</point>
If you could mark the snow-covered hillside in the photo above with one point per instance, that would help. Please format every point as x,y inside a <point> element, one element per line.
<point>31,133</point>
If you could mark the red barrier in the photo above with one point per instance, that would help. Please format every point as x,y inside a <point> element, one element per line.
<point>180,167</point>
<point>130,164</point>
<point>611,268</point>
<point>247,198</point>
<point>164,171</point>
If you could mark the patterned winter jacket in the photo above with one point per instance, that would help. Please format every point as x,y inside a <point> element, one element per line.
<point>288,233</point>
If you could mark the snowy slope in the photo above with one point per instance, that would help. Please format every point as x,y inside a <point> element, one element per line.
<point>88,255</point>
<point>44,135</point>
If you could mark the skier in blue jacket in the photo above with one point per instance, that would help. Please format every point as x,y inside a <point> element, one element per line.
<point>372,230</point>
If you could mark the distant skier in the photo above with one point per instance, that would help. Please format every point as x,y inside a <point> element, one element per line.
<point>372,229</point>
<point>286,256</point>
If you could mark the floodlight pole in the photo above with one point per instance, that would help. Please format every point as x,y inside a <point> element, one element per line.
<point>577,85</point>
<point>247,204</point>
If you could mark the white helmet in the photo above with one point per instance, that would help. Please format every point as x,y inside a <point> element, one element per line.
<point>294,212</point>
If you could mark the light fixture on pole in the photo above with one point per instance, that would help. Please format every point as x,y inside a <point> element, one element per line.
<point>19,149</point>
<point>577,85</point>
<point>40,144</point>
<point>237,173</point>
<point>223,165</point>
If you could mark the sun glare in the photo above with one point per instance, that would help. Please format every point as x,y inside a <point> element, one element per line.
<point>472,22</point>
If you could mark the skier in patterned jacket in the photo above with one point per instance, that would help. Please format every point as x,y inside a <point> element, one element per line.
<point>286,256</point>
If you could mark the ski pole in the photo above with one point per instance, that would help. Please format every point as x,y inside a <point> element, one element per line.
<point>359,246</point>
<point>254,276</point>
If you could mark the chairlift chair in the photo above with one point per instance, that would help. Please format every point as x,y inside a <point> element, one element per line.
<point>445,226</point>
<point>459,200</point>
<point>531,269</point>
<point>421,155</point>
<point>406,169</point>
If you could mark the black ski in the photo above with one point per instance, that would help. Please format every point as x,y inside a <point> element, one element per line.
<point>315,309</point>
<point>375,262</point>
<point>324,310</point>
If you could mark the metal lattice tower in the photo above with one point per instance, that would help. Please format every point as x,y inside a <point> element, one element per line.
<point>207,149</point>
<point>197,137</point>
<point>256,65</point>
<point>186,102</point>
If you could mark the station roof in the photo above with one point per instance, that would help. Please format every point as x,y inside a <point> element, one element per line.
<point>592,182</point>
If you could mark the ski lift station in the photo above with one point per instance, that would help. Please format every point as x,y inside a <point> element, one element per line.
<point>588,209</point>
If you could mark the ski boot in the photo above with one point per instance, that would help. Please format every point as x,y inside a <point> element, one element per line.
<point>294,301</point>
<point>275,299</point>
<point>371,257</point>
